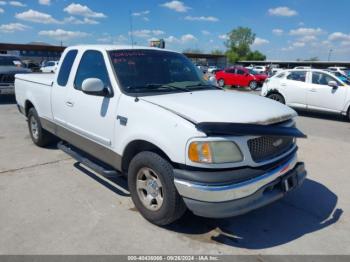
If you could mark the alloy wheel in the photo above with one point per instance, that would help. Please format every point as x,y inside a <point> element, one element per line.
<point>149,189</point>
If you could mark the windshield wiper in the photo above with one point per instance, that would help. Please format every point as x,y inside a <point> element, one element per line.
<point>201,85</point>
<point>152,87</point>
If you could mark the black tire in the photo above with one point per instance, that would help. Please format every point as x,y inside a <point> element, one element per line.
<point>173,206</point>
<point>277,97</point>
<point>40,136</point>
<point>348,114</point>
<point>253,85</point>
<point>221,82</point>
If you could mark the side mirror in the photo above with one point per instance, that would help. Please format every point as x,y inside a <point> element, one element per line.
<point>95,87</point>
<point>333,84</point>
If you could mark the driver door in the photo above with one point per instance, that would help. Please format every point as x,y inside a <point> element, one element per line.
<point>91,116</point>
<point>321,96</point>
<point>241,78</point>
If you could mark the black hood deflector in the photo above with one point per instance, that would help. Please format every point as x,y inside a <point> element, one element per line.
<point>236,129</point>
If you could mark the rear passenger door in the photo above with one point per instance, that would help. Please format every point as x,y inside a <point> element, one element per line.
<point>229,76</point>
<point>294,87</point>
<point>60,88</point>
<point>90,116</point>
<point>321,96</point>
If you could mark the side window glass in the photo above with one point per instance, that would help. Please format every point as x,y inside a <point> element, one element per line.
<point>92,65</point>
<point>297,76</point>
<point>319,78</point>
<point>240,72</point>
<point>281,75</point>
<point>66,67</point>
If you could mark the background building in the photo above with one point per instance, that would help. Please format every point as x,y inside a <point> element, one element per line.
<point>36,52</point>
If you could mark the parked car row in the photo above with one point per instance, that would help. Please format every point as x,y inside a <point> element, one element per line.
<point>11,65</point>
<point>49,67</point>
<point>312,89</point>
<point>240,76</point>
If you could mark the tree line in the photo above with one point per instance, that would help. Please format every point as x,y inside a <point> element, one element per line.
<point>238,44</point>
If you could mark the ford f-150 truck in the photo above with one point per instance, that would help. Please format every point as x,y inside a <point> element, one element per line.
<point>181,142</point>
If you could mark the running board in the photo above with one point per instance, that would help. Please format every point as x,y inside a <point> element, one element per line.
<point>84,160</point>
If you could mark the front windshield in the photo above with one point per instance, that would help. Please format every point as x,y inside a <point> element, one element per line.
<point>342,77</point>
<point>142,71</point>
<point>346,80</point>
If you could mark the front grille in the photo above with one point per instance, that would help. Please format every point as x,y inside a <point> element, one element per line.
<point>268,147</point>
<point>7,78</point>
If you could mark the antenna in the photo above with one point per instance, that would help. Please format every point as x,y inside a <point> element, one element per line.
<point>131,29</point>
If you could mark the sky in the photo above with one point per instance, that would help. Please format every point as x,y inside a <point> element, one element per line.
<point>285,30</point>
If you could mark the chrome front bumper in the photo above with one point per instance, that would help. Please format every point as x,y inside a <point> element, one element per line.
<point>212,193</point>
<point>240,198</point>
<point>7,89</point>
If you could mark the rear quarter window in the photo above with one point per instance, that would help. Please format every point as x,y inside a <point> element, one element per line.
<point>66,67</point>
<point>281,75</point>
<point>297,76</point>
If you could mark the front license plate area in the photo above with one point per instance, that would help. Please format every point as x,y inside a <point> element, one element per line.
<point>289,182</point>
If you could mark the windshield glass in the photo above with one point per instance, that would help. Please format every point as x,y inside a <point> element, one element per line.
<point>10,61</point>
<point>251,71</point>
<point>142,71</point>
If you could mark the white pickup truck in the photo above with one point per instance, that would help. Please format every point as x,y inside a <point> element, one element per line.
<point>183,143</point>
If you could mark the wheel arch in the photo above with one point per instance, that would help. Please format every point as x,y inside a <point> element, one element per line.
<point>138,146</point>
<point>27,106</point>
<point>275,91</point>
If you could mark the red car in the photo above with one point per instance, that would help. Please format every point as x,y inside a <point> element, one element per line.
<point>240,76</point>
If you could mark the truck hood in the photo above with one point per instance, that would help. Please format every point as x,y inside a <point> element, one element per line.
<point>223,106</point>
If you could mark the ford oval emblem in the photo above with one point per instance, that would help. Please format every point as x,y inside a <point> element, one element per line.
<point>277,143</point>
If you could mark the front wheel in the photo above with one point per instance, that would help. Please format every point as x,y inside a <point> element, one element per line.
<point>253,85</point>
<point>152,189</point>
<point>221,82</point>
<point>276,97</point>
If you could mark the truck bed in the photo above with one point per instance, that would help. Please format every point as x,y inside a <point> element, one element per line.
<point>38,78</point>
<point>36,89</point>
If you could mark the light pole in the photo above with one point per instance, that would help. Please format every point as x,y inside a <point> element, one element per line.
<point>329,54</point>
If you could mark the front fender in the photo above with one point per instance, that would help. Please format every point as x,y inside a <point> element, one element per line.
<point>153,124</point>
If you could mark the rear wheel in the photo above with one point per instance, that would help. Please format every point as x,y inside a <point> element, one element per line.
<point>221,82</point>
<point>152,189</point>
<point>277,97</point>
<point>253,85</point>
<point>348,114</point>
<point>39,136</point>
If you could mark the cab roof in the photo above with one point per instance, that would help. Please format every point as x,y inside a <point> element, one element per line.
<point>115,47</point>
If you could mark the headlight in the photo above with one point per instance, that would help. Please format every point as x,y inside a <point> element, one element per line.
<point>215,152</point>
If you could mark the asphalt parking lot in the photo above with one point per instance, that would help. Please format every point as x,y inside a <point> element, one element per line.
<point>51,205</point>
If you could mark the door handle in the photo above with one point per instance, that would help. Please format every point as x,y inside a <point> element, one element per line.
<point>312,90</point>
<point>283,84</point>
<point>69,103</point>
